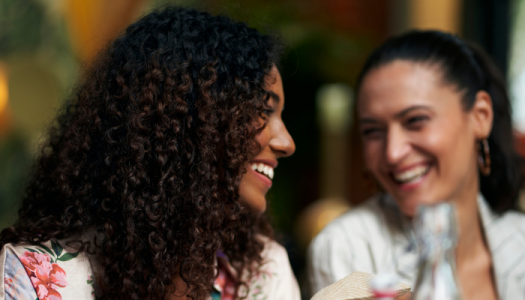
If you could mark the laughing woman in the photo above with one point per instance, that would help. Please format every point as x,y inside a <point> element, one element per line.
<point>435,125</point>
<point>152,183</point>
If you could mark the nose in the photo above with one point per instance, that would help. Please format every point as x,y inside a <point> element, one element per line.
<point>397,146</point>
<point>281,141</point>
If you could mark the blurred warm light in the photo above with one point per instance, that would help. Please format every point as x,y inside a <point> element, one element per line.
<point>4,88</point>
<point>438,14</point>
<point>5,114</point>
<point>316,216</point>
<point>326,217</point>
<point>94,23</point>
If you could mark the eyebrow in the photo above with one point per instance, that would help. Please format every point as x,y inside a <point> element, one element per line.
<point>398,115</point>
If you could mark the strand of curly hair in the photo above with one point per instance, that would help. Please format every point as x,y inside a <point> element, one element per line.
<point>149,153</point>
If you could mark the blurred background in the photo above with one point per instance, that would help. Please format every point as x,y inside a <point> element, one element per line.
<point>45,43</point>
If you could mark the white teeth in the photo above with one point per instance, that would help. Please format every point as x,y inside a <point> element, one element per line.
<point>263,169</point>
<point>412,174</point>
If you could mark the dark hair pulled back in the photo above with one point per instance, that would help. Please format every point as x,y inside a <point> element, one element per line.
<point>150,152</point>
<point>470,70</point>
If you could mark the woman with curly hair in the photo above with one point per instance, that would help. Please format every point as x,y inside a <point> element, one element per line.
<point>152,182</point>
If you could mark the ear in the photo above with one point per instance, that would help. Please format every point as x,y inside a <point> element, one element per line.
<point>482,115</point>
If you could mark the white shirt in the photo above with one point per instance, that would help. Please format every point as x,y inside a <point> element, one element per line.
<point>375,237</point>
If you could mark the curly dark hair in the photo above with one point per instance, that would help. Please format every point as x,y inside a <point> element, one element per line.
<point>149,154</point>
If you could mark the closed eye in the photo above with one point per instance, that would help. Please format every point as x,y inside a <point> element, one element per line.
<point>417,120</point>
<point>268,112</point>
<point>371,132</point>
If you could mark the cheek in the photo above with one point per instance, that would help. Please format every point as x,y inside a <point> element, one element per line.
<point>435,142</point>
<point>263,137</point>
<point>373,152</point>
<point>451,148</point>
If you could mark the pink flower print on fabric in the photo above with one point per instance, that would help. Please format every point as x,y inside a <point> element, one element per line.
<point>91,281</point>
<point>8,283</point>
<point>46,277</point>
<point>225,283</point>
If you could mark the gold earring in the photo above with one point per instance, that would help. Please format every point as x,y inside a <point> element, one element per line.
<point>484,157</point>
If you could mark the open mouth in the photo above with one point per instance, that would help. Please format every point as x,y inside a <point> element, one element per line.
<point>411,175</point>
<point>263,169</point>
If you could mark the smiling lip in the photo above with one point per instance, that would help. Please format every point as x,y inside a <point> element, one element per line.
<point>267,182</point>
<point>421,172</point>
<point>264,179</point>
<point>271,162</point>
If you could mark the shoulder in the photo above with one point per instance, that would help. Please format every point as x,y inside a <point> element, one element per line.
<point>358,224</point>
<point>363,239</point>
<point>514,217</point>
<point>50,269</point>
<point>506,227</point>
<point>508,224</point>
<point>273,253</point>
<point>274,279</point>
<point>505,234</point>
<point>275,260</point>
<point>366,213</point>
<point>344,245</point>
<point>503,224</point>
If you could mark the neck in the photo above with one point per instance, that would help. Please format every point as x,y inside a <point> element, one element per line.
<point>471,240</point>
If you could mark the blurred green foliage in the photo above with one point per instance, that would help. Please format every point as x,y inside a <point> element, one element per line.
<point>14,167</point>
<point>34,39</point>
<point>20,25</point>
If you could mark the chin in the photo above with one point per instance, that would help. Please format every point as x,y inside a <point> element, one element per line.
<point>406,208</point>
<point>259,208</point>
<point>256,205</point>
<point>408,205</point>
<point>409,212</point>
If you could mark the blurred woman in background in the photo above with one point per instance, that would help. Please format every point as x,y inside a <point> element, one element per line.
<point>152,182</point>
<point>435,124</point>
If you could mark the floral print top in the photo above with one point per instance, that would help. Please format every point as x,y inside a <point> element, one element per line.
<point>50,271</point>
<point>46,272</point>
